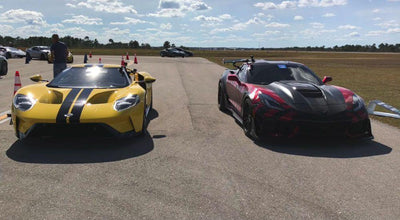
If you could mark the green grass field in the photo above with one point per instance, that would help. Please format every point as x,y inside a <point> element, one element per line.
<point>370,75</point>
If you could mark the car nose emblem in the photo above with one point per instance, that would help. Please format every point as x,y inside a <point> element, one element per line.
<point>68,115</point>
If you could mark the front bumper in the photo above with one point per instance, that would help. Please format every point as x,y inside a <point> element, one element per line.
<point>92,117</point>
<point>292,123</point>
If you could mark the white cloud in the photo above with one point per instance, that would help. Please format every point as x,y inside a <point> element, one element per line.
<point>166,26</point>
<point>108,6</point>
<point>376,10</point>
<point>300,4</point>
<point>266,34</point>
<point>377,19</point>
<point>328,15</point>
<point>22,16</point>
<point>348,27</point>
<point>277,25</point>
<point>179,8</point>
<point>5,29</point>
<point>129,20</point>
<point>389,24</point>
<point>82,19</point>
<point>298,18</point>
<point>321,3</point>
<point>271,5</point>
<point>1,6</point>
<point>317,25</point>
<point>353,34</point>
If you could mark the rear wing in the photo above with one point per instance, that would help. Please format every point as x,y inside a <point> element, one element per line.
<point>239,61</point>
<point>372,105</point>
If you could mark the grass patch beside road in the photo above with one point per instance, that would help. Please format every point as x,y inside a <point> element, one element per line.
<point>370,75</point>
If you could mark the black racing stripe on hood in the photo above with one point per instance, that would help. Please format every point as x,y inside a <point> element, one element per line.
<point>79,104</point>
<point>66,105</point>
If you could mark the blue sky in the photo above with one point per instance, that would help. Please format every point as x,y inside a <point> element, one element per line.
<point>204,23</point>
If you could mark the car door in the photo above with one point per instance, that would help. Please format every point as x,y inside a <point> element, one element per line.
<point>34,52</point>
<point>233,86</point>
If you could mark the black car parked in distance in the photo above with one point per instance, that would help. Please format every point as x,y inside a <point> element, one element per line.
<point>175,52</point>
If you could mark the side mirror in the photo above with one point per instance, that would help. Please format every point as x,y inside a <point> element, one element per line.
<point>327,79</point>
<point>37,78</point>
<point>149,79</point>
<point>233,78</point>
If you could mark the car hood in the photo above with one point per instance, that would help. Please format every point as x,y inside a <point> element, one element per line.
<point>50,95</point>
<point>309,97</point>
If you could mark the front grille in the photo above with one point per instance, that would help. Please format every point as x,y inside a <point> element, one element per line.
<point>72,130</point>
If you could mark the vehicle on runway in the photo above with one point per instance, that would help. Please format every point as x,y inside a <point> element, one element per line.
<point>12,52</point>
<point>172,52</point>
<point>3,66</point>
<point>187,53</point>
<point>109,99</point>
<point>70,57</point>
<point>286,99</point>
<point>39,52</point>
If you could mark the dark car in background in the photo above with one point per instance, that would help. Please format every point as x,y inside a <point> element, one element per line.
<point>39,52</point>
<point>3,66</point>
<point>172,52</point>
<point>187,53</point>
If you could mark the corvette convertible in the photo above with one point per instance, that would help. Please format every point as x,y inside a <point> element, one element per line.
<point>286,99</point>
<point>90,97</point>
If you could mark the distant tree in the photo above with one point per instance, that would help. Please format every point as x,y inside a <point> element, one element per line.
<point>111,41</point>
<point>167,44</point>
<point>173,45</point>
<point>133,44</point>
<point>86,38</point>
<point>96,43</point>
<point>146,46</point>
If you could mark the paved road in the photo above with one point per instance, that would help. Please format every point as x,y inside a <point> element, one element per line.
<point>195,163</point>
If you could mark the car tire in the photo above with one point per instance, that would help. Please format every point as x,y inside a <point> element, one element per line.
<point>144,124</point>
<point>8,55</point>
<point>249,127</point>
<point>221,98</point>
<point>42,56</point>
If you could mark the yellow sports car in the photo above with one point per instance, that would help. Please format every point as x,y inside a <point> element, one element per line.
<point>50,58</point>
<point>88,98</point>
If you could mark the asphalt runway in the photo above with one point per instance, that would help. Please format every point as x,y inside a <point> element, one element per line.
<point>194,163</point>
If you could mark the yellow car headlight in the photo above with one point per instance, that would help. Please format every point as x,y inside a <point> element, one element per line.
<point>126,102</point>
<point>23,102</point>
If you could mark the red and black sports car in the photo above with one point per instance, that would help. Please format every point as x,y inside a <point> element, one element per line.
<point>286,99</point>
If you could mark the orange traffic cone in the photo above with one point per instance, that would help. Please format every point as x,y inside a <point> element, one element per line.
<point>99,59</point>
<point>135,60</point>
<point>17,83</point>
<point>122,61</point>
<point>127,56</point>
<point>90,54</point>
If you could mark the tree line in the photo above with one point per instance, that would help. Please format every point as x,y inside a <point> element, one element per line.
<point>72,42</point>
<point>383,47</point>
<point>86,42</point>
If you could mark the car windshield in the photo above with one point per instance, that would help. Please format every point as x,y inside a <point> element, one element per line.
<point>90,77</point>
<point>13,49</point>
<point>44,48</point>
<point>269,73</point>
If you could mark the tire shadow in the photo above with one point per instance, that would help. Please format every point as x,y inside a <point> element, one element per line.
<point>325,147</point>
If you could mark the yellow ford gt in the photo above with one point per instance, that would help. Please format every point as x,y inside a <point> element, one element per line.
<point>91,97</point>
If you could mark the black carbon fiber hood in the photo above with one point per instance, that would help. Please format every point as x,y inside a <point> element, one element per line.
<point>310,98</point>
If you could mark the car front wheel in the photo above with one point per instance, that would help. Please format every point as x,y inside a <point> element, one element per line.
<point>249,127</point>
